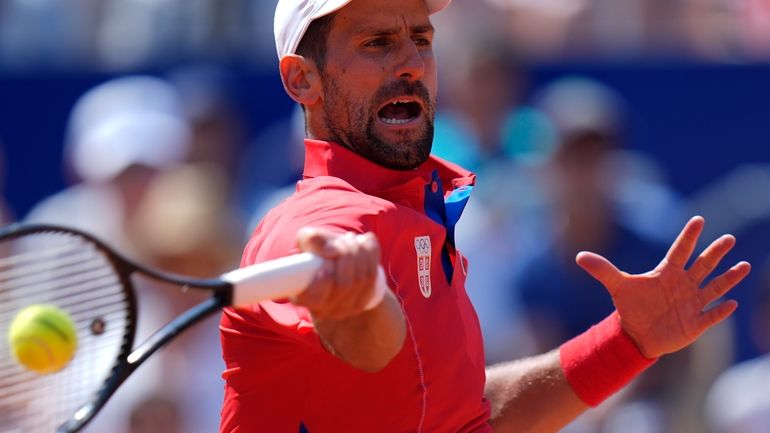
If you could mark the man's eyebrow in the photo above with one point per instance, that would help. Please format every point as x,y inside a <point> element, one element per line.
<point>387,31</point>
<point>422,28</point>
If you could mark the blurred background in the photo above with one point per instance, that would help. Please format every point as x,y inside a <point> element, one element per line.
<point>162,127</point>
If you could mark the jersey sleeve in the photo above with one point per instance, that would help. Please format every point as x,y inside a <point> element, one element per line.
<point>285,328</point>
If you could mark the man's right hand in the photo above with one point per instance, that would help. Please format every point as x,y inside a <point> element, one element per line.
<point>345,284</point>
<point>338,299</point>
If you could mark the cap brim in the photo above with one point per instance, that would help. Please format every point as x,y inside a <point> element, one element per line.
<point>436,5</point>
<point>325,9</point>
<point>287,18</point>
<point>329,7</point>
<point>333,6</point>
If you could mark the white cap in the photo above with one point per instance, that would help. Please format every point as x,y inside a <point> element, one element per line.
<point>292,18</point>
<point>125,121</point>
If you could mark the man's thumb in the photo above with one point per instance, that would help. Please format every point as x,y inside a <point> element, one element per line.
<point>315,241</point>
<point>599,268</point>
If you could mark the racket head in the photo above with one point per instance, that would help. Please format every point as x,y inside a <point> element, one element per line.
<point>52,265</point>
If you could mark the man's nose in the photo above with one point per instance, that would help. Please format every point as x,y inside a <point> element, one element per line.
<point>410,64</point>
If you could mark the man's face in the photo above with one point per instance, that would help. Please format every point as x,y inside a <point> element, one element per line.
<point>379,82</point>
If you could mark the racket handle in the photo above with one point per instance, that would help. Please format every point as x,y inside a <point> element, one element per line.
<point>284,278</point>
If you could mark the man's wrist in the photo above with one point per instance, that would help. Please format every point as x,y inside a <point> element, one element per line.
<point>601,361</point>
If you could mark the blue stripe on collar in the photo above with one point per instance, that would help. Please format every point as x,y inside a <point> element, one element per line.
<point>447,213</point>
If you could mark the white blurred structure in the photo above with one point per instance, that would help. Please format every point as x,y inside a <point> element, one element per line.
<point>126,121</point>
<point>119,133</point>
<point>739,402</point>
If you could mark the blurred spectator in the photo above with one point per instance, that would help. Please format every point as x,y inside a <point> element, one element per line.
<point>127,145</point>
<point>121,133</point>
<point>583,186</point>
<point>487,131</point>
<point>270,166</point>
<point>739,401</point>
<point>217,146</point>
<point>208,105</point>
<point>183,225</point>
<point>588,120</point>
<point>488,124</point>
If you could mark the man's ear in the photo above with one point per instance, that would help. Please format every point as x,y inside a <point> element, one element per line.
<point>300,79</point>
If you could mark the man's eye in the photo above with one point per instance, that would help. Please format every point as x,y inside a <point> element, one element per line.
<point>422,41</point>
<point>379,42</point>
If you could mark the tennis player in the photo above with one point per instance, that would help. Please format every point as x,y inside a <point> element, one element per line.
<point>343,357</point>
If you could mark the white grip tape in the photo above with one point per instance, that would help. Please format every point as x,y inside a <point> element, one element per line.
<point>284,278</point>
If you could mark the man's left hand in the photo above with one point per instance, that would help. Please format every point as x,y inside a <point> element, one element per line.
<point>665,310</point>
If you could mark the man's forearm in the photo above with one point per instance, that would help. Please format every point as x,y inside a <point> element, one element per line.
<point>367,341</point>
<point>531,396</point>
<point>544,393</point>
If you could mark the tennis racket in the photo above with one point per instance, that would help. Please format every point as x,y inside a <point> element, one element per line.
<point>41,264</point>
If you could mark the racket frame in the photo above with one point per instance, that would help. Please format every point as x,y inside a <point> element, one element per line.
<point>130,358</point>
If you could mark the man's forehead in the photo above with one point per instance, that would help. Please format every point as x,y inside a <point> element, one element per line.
<point>392,27</point>
<point>364,15</point>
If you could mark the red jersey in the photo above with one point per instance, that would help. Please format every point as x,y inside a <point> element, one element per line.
<point>279,378</point>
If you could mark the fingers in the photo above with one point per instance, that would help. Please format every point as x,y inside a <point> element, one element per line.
<point>710,258</point>
<point>356,271</point>
<point>722,284</point>
<point>317,241</point>
<point>717,288</point>
<point>347,249</point>
<point>601,269</point>
<point>685,243</point>
<point>716,314</point>
<point>346,283</point>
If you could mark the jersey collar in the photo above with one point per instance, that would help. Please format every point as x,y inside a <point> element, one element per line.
<point>324,158</point>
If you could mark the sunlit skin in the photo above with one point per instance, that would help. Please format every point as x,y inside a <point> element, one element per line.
<point>665,310</point>
<point>378,52</point>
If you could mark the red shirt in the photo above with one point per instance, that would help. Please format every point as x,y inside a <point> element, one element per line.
<point>278,376</point>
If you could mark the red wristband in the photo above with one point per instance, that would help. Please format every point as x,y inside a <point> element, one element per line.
<point>601,361</point>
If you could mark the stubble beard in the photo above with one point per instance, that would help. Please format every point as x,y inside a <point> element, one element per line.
<point>405,153</point>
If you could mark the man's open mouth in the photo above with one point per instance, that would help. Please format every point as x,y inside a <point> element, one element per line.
<point>400,111</point>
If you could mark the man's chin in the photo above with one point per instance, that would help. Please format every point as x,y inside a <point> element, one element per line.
<point>399,154</point>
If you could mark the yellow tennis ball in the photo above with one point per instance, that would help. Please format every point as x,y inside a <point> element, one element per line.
<point>42,338</point>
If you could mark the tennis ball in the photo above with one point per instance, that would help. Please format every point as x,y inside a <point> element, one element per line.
<point>42,338</point>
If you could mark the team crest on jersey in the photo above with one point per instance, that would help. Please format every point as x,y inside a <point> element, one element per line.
<point>422,246</point>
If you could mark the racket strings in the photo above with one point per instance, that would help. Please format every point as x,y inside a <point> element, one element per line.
<point>76,276</point>
<point>36,256</point>
<point>25,268</point>
<point>68,270</point>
